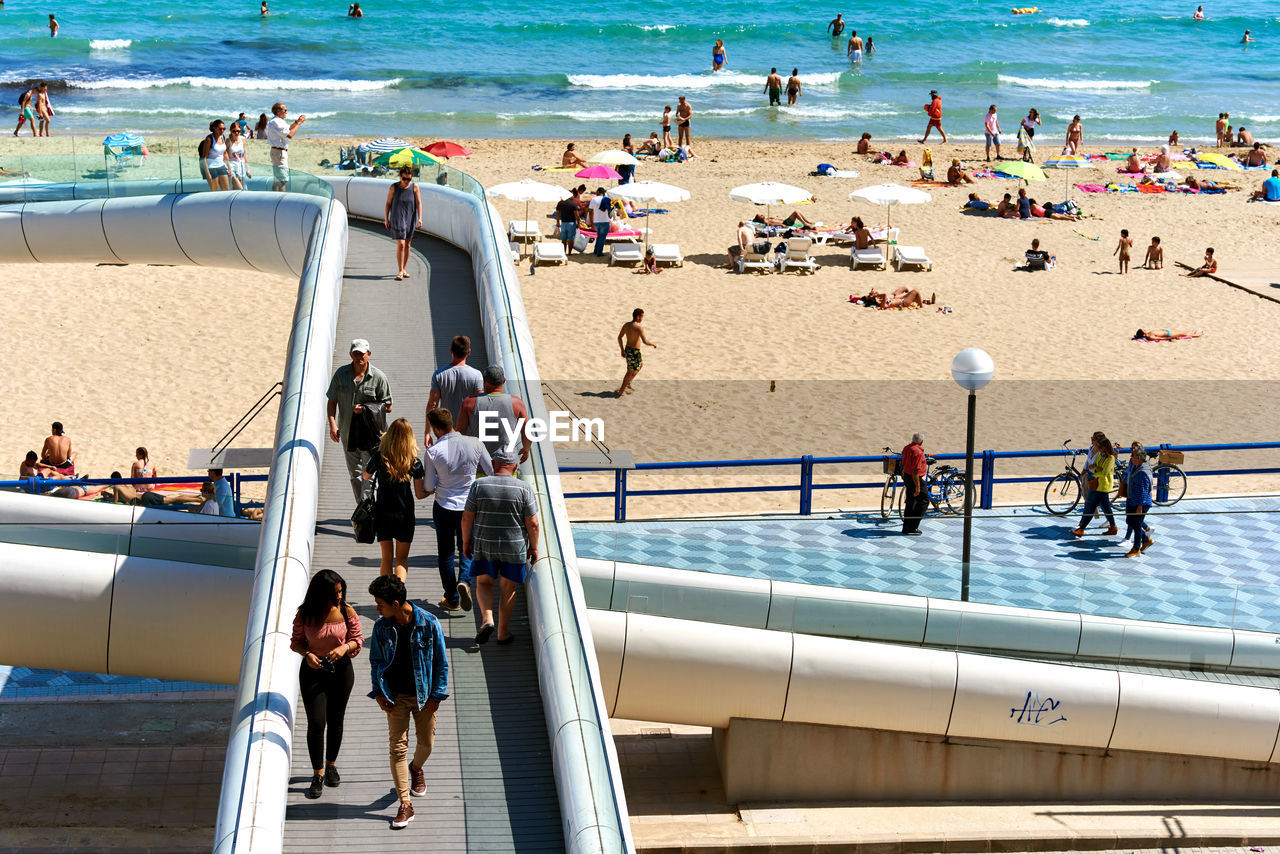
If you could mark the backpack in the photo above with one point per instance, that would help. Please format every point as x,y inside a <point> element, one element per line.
<point>200,145</point>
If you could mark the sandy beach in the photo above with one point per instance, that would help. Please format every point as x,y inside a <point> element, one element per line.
<point>748,366</point>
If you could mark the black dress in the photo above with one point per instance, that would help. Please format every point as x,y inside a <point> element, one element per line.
<point>393,516</point>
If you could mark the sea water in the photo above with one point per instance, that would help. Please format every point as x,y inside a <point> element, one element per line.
<point>1133,70</point>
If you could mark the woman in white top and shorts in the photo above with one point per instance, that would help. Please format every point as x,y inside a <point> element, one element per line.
<point>214,151</point>
<point>237,165</point>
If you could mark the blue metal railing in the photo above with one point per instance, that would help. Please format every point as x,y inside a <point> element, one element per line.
<point>808,463</point>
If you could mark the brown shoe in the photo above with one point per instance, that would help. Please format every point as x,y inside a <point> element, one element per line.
<point>419,787</point>
<point>403,817</point>
<point>1111,532</point>
<point>1146,543</point>
<point>444,605</point>
<point>1133,553</point>
<point>1078,532</point>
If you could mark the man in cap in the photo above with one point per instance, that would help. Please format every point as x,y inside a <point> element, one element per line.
<point>934,109</point>
<point>509,415</point>
<point>500,535</point>
<point>358,394</point>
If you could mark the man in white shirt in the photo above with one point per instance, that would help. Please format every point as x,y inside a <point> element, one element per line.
<point>279,132</point>
<point>451,461</point>
<point>600,207</point>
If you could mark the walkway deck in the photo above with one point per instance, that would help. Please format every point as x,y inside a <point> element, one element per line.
<point>489,780</point>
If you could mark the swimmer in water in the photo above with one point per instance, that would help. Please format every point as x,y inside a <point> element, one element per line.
<point>53,27</point>
<point>837,25</point>
<point>1199,15</point>
<point>871,46</point>
<point>793,87</point>
<point>1245,40</point>
<point>854,50</point>
<point>718,55</point>
<point>264,11</point>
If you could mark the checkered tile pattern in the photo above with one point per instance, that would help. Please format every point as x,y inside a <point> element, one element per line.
<point>1215,562</point>
<point>24,682</point>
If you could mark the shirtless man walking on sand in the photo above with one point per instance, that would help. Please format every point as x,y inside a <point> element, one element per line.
<point>629,339</point>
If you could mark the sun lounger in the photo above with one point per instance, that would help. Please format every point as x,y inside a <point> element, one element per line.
<point>516,251</point>
<point>871,257</point>
<point>749,260</point>
<point>523,229</point>
<point>913,255</point>
<point>798,256</point>
<point>667,253</point>
<point>549,252</point>
<point>630,235</point>
<point>625,253</point>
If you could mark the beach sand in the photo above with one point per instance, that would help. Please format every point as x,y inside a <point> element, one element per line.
<point>846,380</point>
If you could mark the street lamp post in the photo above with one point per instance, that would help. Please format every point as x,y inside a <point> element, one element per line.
<point>971,369</point>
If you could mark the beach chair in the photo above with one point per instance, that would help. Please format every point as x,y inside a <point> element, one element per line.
<point>625,253</point>
<point>520,230</point>
<point>631,235</point>
<point>751,260</point>
<point>667,253</point>
<point>798,256</point>
<point>549,252</point>
<point>913,255</point>
<point>871,257</point>
<point>885,235</point>
<point>516,251</point>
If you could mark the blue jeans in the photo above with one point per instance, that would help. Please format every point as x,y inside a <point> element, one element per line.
<point>602,231</point>
<point>1138,528</point>
<point>1092,502</point>
<point>449,540</point>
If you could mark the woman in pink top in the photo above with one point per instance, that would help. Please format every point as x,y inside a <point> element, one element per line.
<point>327,634</point>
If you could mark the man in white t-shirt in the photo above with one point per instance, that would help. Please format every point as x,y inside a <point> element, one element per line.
<point>600,207</point>
<point>279,132</point>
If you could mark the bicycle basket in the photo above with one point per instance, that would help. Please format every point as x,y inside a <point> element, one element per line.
<point>1172,458</point>
<point>892,465</point>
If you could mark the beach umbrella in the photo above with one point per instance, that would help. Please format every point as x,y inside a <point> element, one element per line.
<point>386,143</point>
<point>599,171</point>
<point>649,193</point>
<point>890,195</point>
<point>405,157</point>
<point>528,191</point>
<point>1021,169</point>
<point>446,149</point>
<point>1065,161</point>
<point>769,193</point>
<point>123,140</point>
<point>614,157</point>
<point>1219,160</point>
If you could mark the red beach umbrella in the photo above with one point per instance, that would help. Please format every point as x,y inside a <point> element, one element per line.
<point>446,149</point>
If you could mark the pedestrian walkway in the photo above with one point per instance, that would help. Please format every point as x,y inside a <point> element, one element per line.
<point>490,786</point>
<point>1214,562</point>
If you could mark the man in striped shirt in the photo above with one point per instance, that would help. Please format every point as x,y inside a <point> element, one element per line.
<point>500,535</point>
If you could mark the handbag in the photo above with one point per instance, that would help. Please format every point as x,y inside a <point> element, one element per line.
<point>1092,483</point>
<point>364,516</point>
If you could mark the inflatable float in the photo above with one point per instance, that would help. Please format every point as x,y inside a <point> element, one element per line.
<point>1027,11</point>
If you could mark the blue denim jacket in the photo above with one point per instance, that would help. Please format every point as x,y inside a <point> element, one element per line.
<point>1139,486</point>
<point>430,663</point>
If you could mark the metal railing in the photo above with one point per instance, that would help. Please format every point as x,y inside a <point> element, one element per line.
<point>808,464</point>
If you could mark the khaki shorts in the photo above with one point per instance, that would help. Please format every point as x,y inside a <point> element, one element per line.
<point>280,164</point>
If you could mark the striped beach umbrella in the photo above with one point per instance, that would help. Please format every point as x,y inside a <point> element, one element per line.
<point>123,140</point>
<point>385,144</point>
<point>1067,161</point>
<point>405,157</point>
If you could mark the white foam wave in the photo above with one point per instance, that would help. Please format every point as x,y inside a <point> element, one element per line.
<point>614,115</point>
<point>110,44</point>
<point>1267,119</point>
<point>1067,22</point>
<point>830,113</point>
<point>175,112</point>
<point>238,83</point>
<point>688,81</point>
<point>1053,83</point>
<point>662,28</point>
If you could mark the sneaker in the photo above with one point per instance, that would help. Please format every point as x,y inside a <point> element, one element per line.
<point>331,777</point>
<point>1133,553</point>
<point>1146,544</point>
<point>464,596</point>
<point>316,787</point>
<point>1077,532</point>
<point>486,631</point>
<point>419,786</point>
<point>1111,532</point>
<point>403,817</point>
<point>444,605</point>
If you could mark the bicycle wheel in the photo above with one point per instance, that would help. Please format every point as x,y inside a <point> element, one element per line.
<point>1177,484</point>
<point>888,496</point>
<point>1062,494</point>
<point>951,497</point>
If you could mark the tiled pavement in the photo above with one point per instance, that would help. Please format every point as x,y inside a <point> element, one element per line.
<point>1215,561</point>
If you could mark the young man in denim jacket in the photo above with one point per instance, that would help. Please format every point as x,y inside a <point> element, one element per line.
<point>410,676</point>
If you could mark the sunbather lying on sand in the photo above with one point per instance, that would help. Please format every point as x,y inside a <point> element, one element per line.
<point>1049,212</point>
<point>901,298</point>
<point>793,218</point>
<point>1165,335</point>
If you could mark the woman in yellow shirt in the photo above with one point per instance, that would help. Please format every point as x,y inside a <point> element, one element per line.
<point>1099,476</point>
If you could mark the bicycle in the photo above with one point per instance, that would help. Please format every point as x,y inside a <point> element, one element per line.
<point>943,486</point>
<point>1063,492</point>
<point>1165,468</point>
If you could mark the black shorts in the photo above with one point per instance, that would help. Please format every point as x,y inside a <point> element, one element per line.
<point>393,528</point>
<point>684,124</point>
<point>151,499</point>
<point>666,129</point>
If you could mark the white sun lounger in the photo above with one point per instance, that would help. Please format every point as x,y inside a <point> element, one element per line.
<point>625,253</point>
<point>617,236</point>
<point>913,255</point>
<point>798,256</point>
<point>516,251</point>
<point>749,260</point>
<point>549,252</point>
<point>667,253</point>
<point>871,257</point>
<point>523,229</point>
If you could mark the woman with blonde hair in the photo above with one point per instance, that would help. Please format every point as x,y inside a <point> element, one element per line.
<point>397,473</point>
<point>1099,474</point>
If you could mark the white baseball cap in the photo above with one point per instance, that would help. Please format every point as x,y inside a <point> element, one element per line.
<point>359,345</point>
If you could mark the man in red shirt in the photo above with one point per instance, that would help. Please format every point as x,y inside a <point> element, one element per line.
<point>934,109</point>
<point>913,472</point>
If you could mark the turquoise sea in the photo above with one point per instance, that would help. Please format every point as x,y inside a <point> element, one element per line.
<point>1134,70</point>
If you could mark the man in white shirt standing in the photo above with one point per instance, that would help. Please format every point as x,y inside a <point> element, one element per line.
<point>279,132</point>
<point>451,461</point>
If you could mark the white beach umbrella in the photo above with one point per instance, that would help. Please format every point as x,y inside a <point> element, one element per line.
<point>769,193</point>
<point>385,144</point>
<point>528,191</point>
<point>890,195</point>
<point>649,193</point>
<point>614,157</point>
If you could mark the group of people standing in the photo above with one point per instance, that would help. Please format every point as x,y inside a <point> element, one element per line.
<point>222,152</point>
<point>483,514</point>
